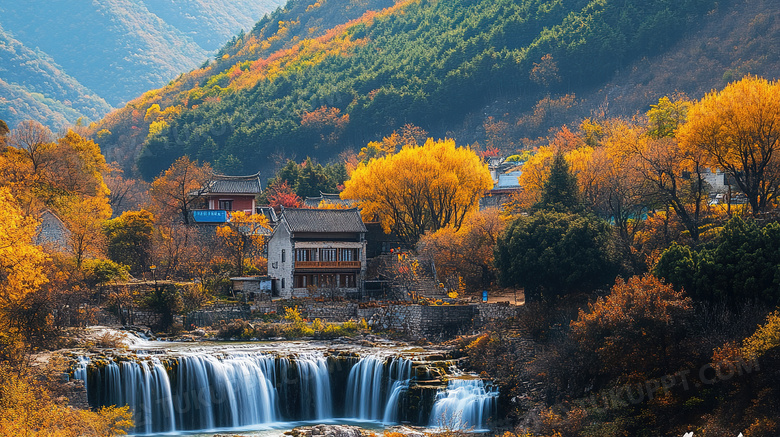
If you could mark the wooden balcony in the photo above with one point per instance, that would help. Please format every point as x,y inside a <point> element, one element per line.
<point>327,265</point>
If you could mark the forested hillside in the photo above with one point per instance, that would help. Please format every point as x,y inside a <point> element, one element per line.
<point>58,57</point>
<point>424,62</point>
<point>33,86</point>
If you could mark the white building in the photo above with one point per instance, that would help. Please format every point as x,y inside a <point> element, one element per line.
<point>317,252</point>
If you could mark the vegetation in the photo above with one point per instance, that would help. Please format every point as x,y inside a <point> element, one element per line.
<point>420,188</point>
<point>424,63</point>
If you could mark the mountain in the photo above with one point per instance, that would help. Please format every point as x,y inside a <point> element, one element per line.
<point>112,50</point>
<point>318,77</point>
<point>33,86</point>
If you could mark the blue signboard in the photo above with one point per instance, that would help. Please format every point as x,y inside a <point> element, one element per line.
<point>210,216</point>
<point>484,296</point>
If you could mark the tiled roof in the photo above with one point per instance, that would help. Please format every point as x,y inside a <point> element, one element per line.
<point>323,220</point>
<point>314,202</point>
<point>235,184</point>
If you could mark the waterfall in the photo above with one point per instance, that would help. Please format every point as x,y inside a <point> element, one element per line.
<point>465,404</point>
<point>374,388</point>
<point>210,391</point>
<point>314,379</point>
<point>142,385</point>
<point>400,374</point>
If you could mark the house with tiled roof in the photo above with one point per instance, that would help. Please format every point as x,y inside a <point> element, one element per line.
<point>226,194</point>
<point>318,252</point>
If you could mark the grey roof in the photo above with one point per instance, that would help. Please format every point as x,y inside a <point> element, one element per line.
<point>323,220</point>
<point>221,184</point>
<point>314,202</point>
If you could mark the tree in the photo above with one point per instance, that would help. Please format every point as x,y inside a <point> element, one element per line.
<point>174,192</point>
<point>34,140</point>
<point>743,266</point>
<point>243,235</point>
<point>560,192</point>
<point>667,115</point>
<point>84,218</point>
<point>279,194</point>
<point>129,239</point>
<point>739,129</point>
<point>467,253</point>
<point>421,188</point>
<point>639,326</point>
<point>552,253</point>
<point>21,260</point>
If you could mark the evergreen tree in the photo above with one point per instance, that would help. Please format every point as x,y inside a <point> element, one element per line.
<point>560,192</point>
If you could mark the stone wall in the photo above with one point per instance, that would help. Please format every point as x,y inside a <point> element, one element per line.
<point>417,321</point>
<point>490,312</point>
<point>217,313</point>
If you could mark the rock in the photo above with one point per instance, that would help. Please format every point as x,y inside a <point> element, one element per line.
<point>405,430</point>
<point>328,431</point>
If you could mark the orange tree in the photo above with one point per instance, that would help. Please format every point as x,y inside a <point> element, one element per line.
<point>636,332</point>
<point>176,190</point>
<point>421,188</point>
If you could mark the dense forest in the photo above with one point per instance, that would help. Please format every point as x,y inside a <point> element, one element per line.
<point>64,61</point>
<point>427,63</point>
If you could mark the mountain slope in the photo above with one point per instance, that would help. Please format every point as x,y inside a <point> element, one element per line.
<point>32,85</point>
<point>115,48</point>
<point>425,62</point>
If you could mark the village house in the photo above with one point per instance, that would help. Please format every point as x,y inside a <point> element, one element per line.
<point>318,252</point>
<point>226,194</point>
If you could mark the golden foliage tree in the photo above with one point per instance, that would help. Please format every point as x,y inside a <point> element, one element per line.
<point>739,129</point>
<point>241,236</point>
<point>421,188</point>
<point>20,259</point>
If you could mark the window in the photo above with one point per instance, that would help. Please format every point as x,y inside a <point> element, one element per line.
<point>283,257</point>
<point>300,281</point>
<point>328,254</point>
<point>227,205</point>
<point>282,282</point>
<point>348,255</point>
<point>302,254</point>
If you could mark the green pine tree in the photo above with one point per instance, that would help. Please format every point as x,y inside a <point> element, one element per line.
<point>560,192</point>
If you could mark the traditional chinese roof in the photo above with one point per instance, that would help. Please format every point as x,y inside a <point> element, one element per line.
<point>335,199</point>
<point>323,220</point>
<point>222,184</point>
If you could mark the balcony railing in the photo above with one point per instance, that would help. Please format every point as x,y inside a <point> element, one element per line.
<point>327,264</point>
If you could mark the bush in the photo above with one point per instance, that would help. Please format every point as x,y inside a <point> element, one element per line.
<point>103,271</point>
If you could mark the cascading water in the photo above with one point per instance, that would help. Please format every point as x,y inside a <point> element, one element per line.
<point>400,374</point>
<point>466,404</point>
<point>202,391</point>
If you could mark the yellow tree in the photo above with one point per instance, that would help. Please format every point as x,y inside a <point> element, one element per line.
<point>175,191</point>
<point>739,129</point>
<point>84,218</point>
<point>21,260</point>
<point>421,188</point>
<point>243,235</point>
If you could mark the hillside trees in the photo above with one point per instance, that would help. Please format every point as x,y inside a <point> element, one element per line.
<point>739,129</point>
<point>427,63</point>
<point>421,188</point>
<point>176,190</point>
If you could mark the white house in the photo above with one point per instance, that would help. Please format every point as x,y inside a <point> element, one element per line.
<point>320,251</point>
